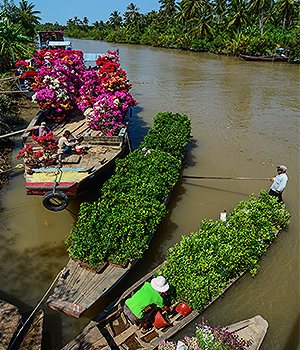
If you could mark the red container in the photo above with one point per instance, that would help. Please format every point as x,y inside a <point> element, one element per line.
<point>78,149</point>
<point>183,309</point>
<point>159,320</point>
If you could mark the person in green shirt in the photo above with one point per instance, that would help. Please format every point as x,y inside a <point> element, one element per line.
<point>150,293</point>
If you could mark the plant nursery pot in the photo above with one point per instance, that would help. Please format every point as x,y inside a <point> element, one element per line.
<point>97,269</point>
<point>183,309</point>
<point>159,320</point>
<point>119,265</point>
<point>31,165</point>
<point>48,161</point>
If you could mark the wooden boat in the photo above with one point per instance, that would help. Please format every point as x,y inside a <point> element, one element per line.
<point>252,330</point>
<point>111,329</point>
<point>79,288</point>
<point>272,58</point>
<point>30,337</point>
<point>79,172</point>
<point>49,35</point>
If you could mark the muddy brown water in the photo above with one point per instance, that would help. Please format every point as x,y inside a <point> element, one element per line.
<point>245,119</point>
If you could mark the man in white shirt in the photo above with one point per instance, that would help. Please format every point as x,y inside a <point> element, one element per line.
<point>279,182</point>
<point>65,146</point>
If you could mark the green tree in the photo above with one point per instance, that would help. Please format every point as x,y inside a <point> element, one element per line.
<point>238,14</point>
<point>203,22</point>
<point>13,44</point>
<point>115,19</point>
<point>259,7</point>
<point>28,17</point>
<point>168,8</point>
<point>132,14</point>
<point>190,8</point>
<point>287,10</point>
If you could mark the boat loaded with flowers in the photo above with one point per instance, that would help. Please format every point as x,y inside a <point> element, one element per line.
<point>91,104</point>
<point>112,233</point>
<point>199,269</point>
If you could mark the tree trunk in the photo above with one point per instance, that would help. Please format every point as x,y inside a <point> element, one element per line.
<point>284,20</point>
<point>262,21</point>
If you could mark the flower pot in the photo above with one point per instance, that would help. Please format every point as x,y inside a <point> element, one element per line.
<point>119,265</point>
<point>183,309</point>
<point>97,269</point>
<point>159,320</point>
<point>31,165</point>
<point>49,161</point>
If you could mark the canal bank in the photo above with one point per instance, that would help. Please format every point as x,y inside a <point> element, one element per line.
<point>245,119</point>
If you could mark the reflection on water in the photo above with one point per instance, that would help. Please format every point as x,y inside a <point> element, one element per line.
<point>245,118</point>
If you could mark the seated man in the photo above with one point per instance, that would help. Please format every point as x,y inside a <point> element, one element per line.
<point>65,146</point>
<point>150,293</point>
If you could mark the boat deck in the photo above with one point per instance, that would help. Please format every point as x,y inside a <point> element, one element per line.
<point>79,288</point>
<point>98,152</point>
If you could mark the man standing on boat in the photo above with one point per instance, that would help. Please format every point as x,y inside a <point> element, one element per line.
<point>42,129</point>
<point>150,293</point>
<point>279,183</point>
<point>65,146</point>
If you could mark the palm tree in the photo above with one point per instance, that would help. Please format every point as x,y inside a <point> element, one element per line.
<point>132,14</point>
<point>180,15</point>
<point>238,13</point>
<point>27,17</point>
<point>202,22</point>
<point>168,7</point>
<point>115,19</point>
<point>219,8</point>
<point>190,8</point>
<point>287,10</point>
<point>13,44</point>
<point>259,6</point>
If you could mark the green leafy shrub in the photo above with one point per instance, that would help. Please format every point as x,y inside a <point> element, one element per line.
<point>200,266</point>
<point>169,133</point>
<point>118,225</point>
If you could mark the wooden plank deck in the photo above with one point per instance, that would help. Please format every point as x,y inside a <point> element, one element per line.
<point>78,289</point>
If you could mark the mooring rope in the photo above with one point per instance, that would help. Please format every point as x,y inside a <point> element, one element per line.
<point>38,305</point>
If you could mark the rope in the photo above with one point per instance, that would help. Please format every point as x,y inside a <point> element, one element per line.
<point>38,305</point>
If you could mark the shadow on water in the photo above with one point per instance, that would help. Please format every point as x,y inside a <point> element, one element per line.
<point>293,339</point>
<point>138,128</point>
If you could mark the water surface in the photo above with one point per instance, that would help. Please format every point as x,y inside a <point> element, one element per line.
<point>245,119</point>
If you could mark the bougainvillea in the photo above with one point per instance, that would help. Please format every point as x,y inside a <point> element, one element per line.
<point>28,154</point>
<point>58,80</point>
<point>48,144</point>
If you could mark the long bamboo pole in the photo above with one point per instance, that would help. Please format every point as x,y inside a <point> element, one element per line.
<point>223,178</point>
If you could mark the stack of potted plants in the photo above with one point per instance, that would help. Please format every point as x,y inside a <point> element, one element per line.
<point>31,157</point>
<point>199,267</point>
<point>116,228</point>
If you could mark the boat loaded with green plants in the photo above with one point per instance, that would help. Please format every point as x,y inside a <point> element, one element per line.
<point>111,234</point>
<point>199,269</point>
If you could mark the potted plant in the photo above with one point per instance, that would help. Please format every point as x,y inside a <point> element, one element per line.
<point>49,146</point>
<point>30,157</point>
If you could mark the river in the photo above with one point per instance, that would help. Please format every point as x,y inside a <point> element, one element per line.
<point>245,119</point>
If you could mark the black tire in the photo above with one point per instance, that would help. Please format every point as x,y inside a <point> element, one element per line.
<point>55,201</point>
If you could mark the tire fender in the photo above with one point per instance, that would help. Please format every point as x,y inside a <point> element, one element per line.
<point>50,203</point>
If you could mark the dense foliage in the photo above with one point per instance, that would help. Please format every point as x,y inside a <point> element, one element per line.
<point>232,27</point>
<point>168,134</point>
<point>118,225</point>
<point>200,266</point>
<point>17,32</point>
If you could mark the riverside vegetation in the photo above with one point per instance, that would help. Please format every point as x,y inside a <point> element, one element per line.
<point>227,27</point>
